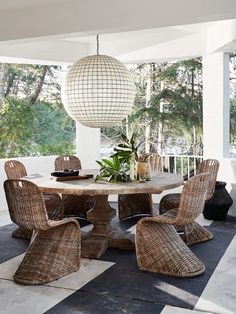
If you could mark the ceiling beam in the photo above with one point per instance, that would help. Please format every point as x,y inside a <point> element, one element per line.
<point>183,48</point>
<point>45,52</point>
<point>55,18</point>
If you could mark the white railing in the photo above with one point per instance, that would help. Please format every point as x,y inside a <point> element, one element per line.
<point>184,165</point>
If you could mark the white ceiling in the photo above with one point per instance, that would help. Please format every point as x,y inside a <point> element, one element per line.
<point>134,31</point>
<point>23,4</point>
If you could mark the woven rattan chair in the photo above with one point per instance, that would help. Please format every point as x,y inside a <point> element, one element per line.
<point>15,170</point>
<point>74,205</point>
<point>130,205</point>
<point>193,233</point>
<point>54,250</point>
<point>159,247</point>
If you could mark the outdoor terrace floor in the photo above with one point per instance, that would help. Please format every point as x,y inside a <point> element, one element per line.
<point>114,284</point>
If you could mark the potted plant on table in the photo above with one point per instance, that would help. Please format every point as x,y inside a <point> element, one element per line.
<point>113,170</point>
<point>118,167</point>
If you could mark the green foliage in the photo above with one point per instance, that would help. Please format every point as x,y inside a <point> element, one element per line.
<point>113,169</point>
<point>29,125</point>
<point>23,80</point>
<point>34,130</point>
<point>16,119</point>
<point>129,146</point>
<point>61,148</point>
<point>52,125</point>
<point>174,112</point>
<point>233,120</point>
<point>175,109</point>
<point>116,169</point>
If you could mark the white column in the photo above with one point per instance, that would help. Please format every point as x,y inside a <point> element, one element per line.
<point>88,146</point>
<point>216,119</point>
<point>216,105</point>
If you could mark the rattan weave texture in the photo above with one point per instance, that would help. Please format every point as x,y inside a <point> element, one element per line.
<point>15,170</point>
<point>67,162</point>
<point>74,205</point>
<point>159,248</point>
<point>54,250</point>
<point>193,233</point>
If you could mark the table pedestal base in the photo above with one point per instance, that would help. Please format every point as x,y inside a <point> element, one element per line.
<point>103,236</point>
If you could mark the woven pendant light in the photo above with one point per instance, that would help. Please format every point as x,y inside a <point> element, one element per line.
<point>99,91</point>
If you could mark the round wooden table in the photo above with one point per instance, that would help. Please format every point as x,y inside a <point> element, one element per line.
<point>103,235</point>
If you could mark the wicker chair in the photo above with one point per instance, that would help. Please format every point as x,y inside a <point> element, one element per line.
<point>54,250</point>
<point>130,205</point>
<point>74,205</point>
<point>193,233</point>
<point>15,170</point>
<point>159,247</point>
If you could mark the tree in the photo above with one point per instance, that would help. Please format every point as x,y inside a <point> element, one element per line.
<point>29,124</point>
<point>181,101</point>
<point>15,124</point>
<point>35,82</point>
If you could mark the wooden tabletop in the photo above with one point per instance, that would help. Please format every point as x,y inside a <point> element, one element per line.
<point>160,181</point>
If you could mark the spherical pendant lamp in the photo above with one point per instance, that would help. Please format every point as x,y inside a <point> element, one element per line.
<point>99,91</point>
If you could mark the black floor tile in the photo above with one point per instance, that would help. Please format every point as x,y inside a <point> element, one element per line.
<point>125,280</point>
<point>228,225</point>
<point>125,289</point>
<point>9,246</point>
<point>89,303</point>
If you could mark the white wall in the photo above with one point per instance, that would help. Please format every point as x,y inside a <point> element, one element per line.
<point>88,141</point>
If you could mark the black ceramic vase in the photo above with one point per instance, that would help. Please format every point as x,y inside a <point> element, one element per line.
<point>217,207</point>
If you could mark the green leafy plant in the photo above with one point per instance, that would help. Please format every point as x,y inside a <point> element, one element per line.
<point>114,170</point>
<point>129,146</point>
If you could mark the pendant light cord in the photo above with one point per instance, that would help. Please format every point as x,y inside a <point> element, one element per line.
<point>97,44</point>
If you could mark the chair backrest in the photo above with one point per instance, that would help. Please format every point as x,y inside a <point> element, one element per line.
<point>67,162</point>
<point>14,169</point>
<point>211,166</point>
<point>193,198</point>
<point>26,204</point>
<point>155,162</point>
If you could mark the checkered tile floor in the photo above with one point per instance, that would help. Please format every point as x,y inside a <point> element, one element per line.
<point>114,284</point>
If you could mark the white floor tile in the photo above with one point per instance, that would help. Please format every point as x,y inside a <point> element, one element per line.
<point>132,229</point>
<point>89,269</point>
<point>19,299</point>
<point>203,222</point>
<point>15,298</point>
<point>219,294</point>
<point>87,228</point>
<point>4,218</point>
<point>8,268</point>
<point>179,310</point>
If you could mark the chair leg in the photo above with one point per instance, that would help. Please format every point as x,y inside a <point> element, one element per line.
<point>160,249</point>
<point>53,253</point>
<point>130,205</point>
<point>22,233</point>
<point>194,233</point>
